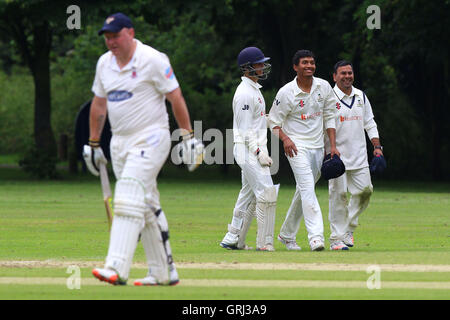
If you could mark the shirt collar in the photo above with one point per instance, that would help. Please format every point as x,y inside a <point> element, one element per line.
<point>341,94</point>
<point>133,62</point>
<point>297,89</point>
<point>249,81</point>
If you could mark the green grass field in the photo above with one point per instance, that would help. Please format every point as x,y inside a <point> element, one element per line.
<point>47,226</point>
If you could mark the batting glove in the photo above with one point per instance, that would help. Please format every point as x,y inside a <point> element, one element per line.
<point>191,151</point>
<point>93,156</point>
<point>264,158</point>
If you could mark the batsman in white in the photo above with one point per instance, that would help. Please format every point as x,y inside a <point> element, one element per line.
<point>354,118</point>
<point>299,114</point>
<point>258,194</point>
<point>132,82</point>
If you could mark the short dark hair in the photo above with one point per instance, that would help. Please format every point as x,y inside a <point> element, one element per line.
<point>302,54</point>
<point>341,63</point>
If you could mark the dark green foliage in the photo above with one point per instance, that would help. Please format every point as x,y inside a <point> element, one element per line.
<point>39,164</point>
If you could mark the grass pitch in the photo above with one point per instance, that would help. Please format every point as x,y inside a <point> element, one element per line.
<point>56,224</point>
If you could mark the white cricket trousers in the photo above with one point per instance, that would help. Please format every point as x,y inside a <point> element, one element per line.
<point>306,169</point>
<point>344,217</point>
<point>255,178</point>
<point>141,156</point>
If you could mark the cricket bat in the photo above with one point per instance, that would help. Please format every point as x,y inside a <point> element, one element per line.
<point>106,189</point>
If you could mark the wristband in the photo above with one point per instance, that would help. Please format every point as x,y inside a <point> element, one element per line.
<point>94,143</point>
<point>379,147</point>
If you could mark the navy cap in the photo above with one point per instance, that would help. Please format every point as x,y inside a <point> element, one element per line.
<point>251,55</point>
<point>332,168</point>
<point>115,23</point>
<point>377,165</point>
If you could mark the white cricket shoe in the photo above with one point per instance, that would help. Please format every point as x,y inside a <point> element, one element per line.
<point>109,276</point>
<point>348,239</point>
<point>267,247</point>
<point>316,245</point>
<point>290,244</point>
<point>338,245</point>
<point>150,280</point>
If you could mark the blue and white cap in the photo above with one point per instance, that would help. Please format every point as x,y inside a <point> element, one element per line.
<point>115,23</point>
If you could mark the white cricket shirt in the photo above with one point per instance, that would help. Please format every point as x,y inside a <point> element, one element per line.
<point>136,93</point>
<point>249,114</point>
<point>354,115</point>
<point>303,116</point>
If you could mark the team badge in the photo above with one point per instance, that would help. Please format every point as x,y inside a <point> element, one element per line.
<point>133,73</point>
<point>169,73</point>
<point>109,20</point>
<point>338,105</point>
<point>319,98</point>
<point>259,100</point>
<point>262,113</point>
<point>301,104</point>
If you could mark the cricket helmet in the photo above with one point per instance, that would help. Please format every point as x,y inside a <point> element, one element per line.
<point>250,56</point>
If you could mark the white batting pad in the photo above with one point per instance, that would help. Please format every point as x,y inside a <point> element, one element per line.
<point>123,241</point>
<point>265,216</point>
<point>155,250</point>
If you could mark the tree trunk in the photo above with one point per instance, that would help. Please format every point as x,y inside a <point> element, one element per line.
<point>43,133</point>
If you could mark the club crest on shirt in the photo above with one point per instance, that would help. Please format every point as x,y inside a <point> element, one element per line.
<point>133,73</point>
<point>359,104</point>
<point>319,98</point>
<point>259,100</point>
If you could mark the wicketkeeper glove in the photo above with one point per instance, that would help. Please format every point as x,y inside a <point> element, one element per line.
<point>191,151</point>
<point>264,158</point>
<point>93,156</point>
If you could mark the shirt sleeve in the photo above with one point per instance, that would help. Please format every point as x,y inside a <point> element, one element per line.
<point>369,123</point>
<point>279,111</point>
<point>97,86</point>
<point>329,108</point>
<point>244,109</point>
<point>163,75</point>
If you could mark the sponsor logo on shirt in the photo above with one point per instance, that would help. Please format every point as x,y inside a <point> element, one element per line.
<point>342,119</point>
<point>301,104</point>
<point>246,107</point>
<point>119,95</point>
<point>338,105</point>
<point>310,116</point>
<point>169,73</point>
<point>277,102</point>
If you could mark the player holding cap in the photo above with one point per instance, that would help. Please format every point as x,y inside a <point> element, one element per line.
<point>258,195</point>
<point>354,118</point>
<point>132,82</point>
<point>299,114</point>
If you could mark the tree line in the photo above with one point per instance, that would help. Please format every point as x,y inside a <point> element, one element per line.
<point>403,67</point>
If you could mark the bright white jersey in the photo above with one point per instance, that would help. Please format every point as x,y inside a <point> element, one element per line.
<point>302,115</point>
<point>136,93</point>
<point>249,115</point>
<point>353,117</point>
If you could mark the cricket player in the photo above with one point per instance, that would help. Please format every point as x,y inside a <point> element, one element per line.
<point>258,195</point>
<point>299,114</point>
<point>354,118</point>
<point>132,82</point>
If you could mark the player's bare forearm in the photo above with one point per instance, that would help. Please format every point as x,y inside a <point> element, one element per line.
<point>289,146</point>
<point>97,118</point>
<point>179,109</point>
<point>331,132</point>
